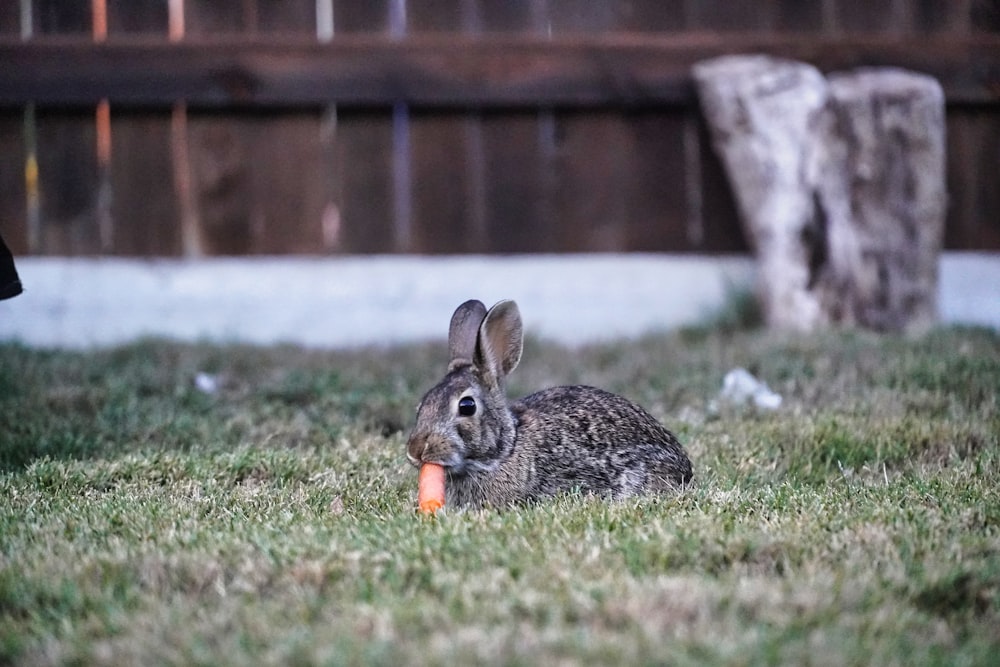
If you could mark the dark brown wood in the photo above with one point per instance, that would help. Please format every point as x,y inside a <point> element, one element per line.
<point>13,214</point>
<point>222,179</point>
<point>732,17</point>
<point>68,184</point>
<point>289,189</point>
<point>593,173</point>
<point>865,16</point>
<point>259,183</point>
<point>143,208</point>
<point>648,16</point>
<point>973,194</point>
<point>721,231</point>
<point>985,16</point>
<point>438,16</point>
<point>58,17</point>
<point>441,220</point>
<point>286,17</point>
<point>351,16</point>
<point>10,18</point>
<point>513,189</point>
<point>937,16</point>
<point>132,17</point>
<point>363,184</point>
<point>452,71</point>
<point>658,213</point>
<point>798,16</point>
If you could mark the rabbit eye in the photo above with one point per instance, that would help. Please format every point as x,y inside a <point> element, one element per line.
<point>467,406</point>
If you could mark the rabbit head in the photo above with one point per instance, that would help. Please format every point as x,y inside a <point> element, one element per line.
<point>464,423</point>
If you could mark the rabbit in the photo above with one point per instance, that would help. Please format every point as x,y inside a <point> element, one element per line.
<point>498,453</point>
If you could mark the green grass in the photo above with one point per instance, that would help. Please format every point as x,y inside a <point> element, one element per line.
<point>144,522</point>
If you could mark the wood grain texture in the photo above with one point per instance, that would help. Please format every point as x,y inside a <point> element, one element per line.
<point>614,69</point>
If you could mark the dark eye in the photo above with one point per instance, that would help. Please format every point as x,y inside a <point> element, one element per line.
<point>467,406</point>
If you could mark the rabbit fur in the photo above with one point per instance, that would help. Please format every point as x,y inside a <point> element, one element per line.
<point>559,439</point>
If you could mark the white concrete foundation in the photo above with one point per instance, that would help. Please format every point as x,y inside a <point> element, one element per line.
<point>352,301</point>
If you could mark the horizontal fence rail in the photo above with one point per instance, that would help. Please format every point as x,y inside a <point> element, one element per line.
<point>450,71</point>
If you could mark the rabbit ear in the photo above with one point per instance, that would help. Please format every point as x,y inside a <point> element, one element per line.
<point>501,340</point>
<point>462,332</point>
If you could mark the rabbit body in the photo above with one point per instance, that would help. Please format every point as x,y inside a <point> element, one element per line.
<point>560,439</point>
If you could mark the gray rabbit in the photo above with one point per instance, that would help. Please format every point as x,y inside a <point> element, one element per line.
<point>498,453</point>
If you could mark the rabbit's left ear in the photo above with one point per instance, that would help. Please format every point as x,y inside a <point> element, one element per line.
<point>501,339</point>
<point>463,332</point>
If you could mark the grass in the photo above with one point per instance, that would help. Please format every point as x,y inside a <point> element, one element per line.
<point>146,522</point>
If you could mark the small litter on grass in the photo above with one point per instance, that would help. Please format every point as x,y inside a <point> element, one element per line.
<point>207,383</point>
<point>740,387</point>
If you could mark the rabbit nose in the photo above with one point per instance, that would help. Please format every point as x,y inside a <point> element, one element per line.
<point>415,448</point>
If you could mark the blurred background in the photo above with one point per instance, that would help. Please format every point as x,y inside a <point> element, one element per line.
<point>204,128</point>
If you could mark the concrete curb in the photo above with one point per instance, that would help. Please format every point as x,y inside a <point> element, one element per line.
<point>381,300</point>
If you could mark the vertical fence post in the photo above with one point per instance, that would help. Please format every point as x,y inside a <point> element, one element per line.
<point>402,188</point>
<point>191,241</point>
<point>474,157</point>
<point>102,120</point>
<point>331,220</point>
<point>32,205</point>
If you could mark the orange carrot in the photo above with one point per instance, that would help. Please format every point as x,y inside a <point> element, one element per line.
<point>430,488</point>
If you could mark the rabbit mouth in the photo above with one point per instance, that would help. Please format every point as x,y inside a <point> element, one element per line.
<point>453,463</point>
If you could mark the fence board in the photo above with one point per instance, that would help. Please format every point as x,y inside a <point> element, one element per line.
<point>13,214</point>
<point>451,16</point>
<point>352,17</point>
<point>364,188</point>
<point>859,16</point>
<point>721,229</point>
<point>513,187</point>
<point>10,18</point>
<point>286,17</point>
<point>137,17</point>
<point>363,149</point>
<point>728,16</point>
<point>985,16</point>
<point>288,187</point>
<point>143,207</point>
<point>517,151</point>
<point>973,192</point>
<point>798,16</point>
<point>441,219</point>
<point>68,175</point>
<point>592,173</point>
<point>259,183</point>
<point>258,180</point>
<point>658,213</point>
<point>937,16</point>
<point>58,17</point>
<point>514,16</point>
<point>68,183</point>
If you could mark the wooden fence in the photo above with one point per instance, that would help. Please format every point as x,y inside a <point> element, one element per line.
<point>204,127</point>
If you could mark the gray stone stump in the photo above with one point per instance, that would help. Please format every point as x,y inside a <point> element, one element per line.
<point>839,186</point>
<point>882,193</point>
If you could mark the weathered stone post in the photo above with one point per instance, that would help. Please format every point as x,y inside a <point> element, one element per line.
<point>882,192</point>
<point>762,112</point>
<point>840,187</point>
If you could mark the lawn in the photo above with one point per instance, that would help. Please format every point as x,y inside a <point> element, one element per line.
<point>271,521</point>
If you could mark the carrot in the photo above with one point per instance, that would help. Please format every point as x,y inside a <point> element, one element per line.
<point>430,488</point>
